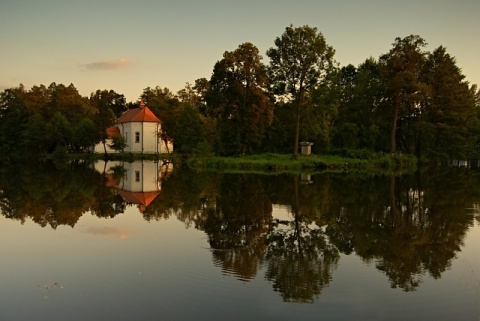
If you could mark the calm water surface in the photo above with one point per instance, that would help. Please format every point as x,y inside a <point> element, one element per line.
<point>141,241</point>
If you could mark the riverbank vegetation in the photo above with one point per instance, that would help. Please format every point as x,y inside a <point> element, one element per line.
<point>408,101</point>
<point>286,163</point>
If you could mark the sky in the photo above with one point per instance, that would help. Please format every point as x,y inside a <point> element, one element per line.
<point>128,46</point>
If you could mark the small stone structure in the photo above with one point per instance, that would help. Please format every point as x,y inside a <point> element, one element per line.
<point>305,148</point>
<point>305,179</point>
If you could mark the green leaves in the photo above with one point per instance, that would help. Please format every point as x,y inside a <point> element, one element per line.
<point>118,143</point>
<point>299,61</point>
<point>238,100</point>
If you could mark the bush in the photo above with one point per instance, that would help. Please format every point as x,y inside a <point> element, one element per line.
<point>353,153</point>
<point>60,152</point>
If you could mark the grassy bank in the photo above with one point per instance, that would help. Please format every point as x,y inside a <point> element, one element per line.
<point>339,161</point>
<point>279,162</point>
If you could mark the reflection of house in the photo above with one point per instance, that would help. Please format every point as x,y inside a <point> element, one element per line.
<point>141,130</point>
<point>138,183</point>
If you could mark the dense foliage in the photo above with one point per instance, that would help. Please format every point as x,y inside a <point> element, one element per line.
<point>408,100</point>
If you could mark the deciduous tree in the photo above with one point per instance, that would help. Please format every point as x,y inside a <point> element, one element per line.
<point>402,69</point>
<point>450,113</point>
<point>109,105</point>
<point>300,60</point>
<point>166,106</point>
<point>238,99</point>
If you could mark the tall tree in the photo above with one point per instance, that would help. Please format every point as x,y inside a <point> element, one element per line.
<point>166,106</point>
<point>324,110</point>
<point>193,131</point>
<point>201,87</point>
<point>300,60</point>
<point>36,134</point>
<point>109,105</point>
<point>84,135</point>
<point>450,112</point>
<point>67,101</point>
<point>360,118</point>
<point>238,99</point>
<point>402,69</point>
<point>109,99</point>
<point>61,130</point>
<point>37,99</point>
<point>13,116</point>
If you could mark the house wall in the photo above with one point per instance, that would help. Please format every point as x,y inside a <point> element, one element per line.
<point>141,177</point>
<point>150,137</point>
<point>146,132</point>
<point>149,142</point>
<point>163,147</point>
<point>99,147</point>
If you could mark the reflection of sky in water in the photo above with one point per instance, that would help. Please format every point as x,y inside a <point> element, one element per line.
<point>129,269</point>
<point>116,232</point>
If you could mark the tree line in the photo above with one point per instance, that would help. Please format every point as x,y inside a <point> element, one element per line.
<point>409,100</point>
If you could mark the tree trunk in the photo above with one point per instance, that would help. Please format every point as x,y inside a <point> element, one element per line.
<point>104,147</point>
<point>393,202</point>
<point>418,145</point>
<point>296,213</point>
<point>393,137</point>
<point>297,131</point>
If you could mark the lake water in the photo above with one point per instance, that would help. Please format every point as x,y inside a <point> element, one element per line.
<point>143,241</point>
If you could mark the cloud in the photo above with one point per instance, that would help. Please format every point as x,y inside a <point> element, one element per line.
<point>114,232</point>
<point>108,64</point>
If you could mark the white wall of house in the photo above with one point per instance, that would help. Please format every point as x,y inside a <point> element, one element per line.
<point>141,137</point>
<point>141,177</point>
<point>165,148</point>
<point>99,147</point>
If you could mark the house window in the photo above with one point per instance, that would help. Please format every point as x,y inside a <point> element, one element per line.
<point>137,176</point>
<point>137,137</point>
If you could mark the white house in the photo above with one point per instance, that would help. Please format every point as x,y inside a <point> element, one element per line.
<point>140,182</point>
<point>141,130</point>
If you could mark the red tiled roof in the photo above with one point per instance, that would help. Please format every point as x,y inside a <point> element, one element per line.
<point>141,114</point>
<point>113,131</point>
<point>140,198</point>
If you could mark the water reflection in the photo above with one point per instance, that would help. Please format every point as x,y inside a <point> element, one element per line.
<point>138,183</point>
<point>406,226</point>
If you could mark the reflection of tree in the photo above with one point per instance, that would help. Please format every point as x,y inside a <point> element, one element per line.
<point>237,224</point>
<point>183,194</point>
<point>47,194</point>
<point>107,202</point>
<point>300,266</point>
<point>423,237</point>
<point>402,224</point>
<point>299,258</point>
<point>409,226</point>
<point>243,263</point>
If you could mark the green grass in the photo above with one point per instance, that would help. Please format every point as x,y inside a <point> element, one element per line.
<point>339,160</point>
<point>310,163</point>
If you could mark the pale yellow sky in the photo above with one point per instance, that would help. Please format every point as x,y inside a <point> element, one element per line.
<point>130,45</point>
